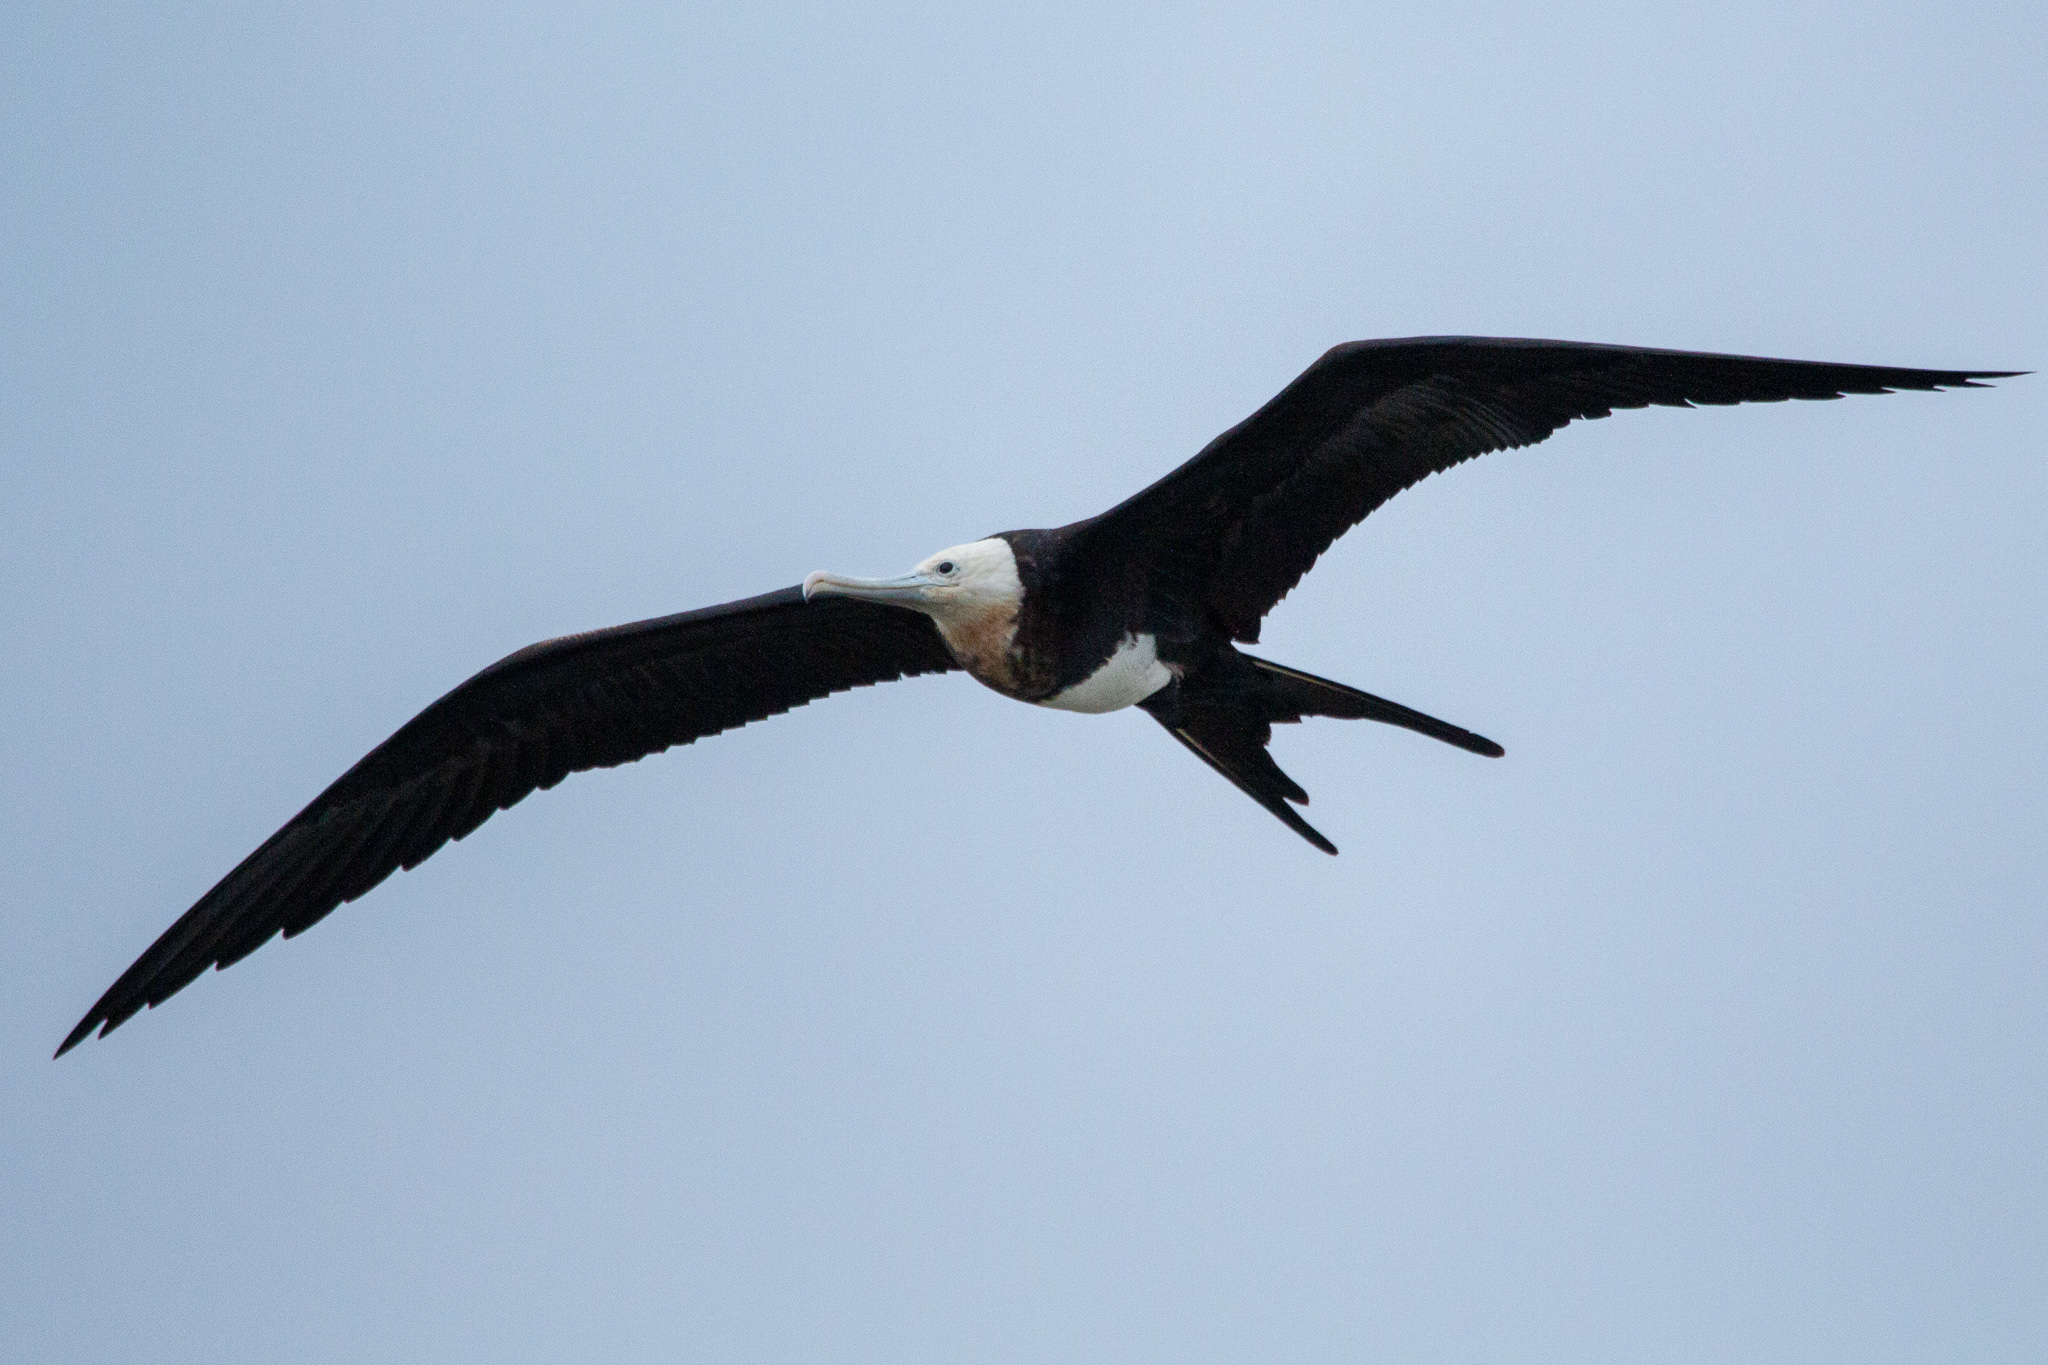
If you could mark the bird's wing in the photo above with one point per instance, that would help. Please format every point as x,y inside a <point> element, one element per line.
<point>526,722</point>
<point>1230,532</point>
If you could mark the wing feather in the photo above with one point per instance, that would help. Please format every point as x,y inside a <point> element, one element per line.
<point>1236,527</point>
<point>523,724</point>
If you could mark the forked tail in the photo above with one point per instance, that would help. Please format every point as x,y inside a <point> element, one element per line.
<point>1225,716</point>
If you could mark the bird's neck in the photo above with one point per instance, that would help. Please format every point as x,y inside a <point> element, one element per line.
<point>983,637</point>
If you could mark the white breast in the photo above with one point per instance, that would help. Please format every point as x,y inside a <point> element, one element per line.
<point>1130,675</point>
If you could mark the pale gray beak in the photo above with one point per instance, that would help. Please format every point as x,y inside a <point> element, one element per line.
<point>907,591</point>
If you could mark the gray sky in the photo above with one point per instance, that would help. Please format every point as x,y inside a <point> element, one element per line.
<point>345,352</point>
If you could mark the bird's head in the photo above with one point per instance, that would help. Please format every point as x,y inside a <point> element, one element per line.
<point>965,581</point>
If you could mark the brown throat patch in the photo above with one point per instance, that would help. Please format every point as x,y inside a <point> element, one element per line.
<point>981,642</point>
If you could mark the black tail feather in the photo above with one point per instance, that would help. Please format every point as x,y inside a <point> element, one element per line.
<point>1239,753</point>
<point>1297,694</point>
<point>1225,713</point>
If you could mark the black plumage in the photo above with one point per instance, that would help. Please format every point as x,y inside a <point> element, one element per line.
<point>1202,555</point>
<point>1238,525</point>
<point>1191,564</point>
<point>562,706</point>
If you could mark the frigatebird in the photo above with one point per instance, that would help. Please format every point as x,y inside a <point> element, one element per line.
<point>1143,605</point>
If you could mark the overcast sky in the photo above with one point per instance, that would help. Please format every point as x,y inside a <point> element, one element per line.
<point>348,350</point>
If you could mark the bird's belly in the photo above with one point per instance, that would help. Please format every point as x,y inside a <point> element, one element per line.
<point>1128,676</point>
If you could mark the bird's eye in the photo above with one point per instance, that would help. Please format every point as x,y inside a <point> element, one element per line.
<point>945,566</point>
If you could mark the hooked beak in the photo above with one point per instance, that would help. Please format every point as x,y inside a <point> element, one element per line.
<point>907,591</point>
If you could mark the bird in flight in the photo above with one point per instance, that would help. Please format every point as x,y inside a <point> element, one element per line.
<point>1144,605</point>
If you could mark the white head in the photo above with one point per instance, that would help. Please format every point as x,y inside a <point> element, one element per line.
<point>954,586</point>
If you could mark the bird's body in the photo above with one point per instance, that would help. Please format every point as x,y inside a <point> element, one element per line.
<point>1143,605</point>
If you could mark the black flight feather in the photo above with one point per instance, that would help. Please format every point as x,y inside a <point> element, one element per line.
<point>1239,524</point>
<point>582,701</point>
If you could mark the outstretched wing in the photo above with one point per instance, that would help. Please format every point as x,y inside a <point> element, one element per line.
<point>1232,531</point>
<point>525,723</point>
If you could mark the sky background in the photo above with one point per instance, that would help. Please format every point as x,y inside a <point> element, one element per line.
<point>344,351</point>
